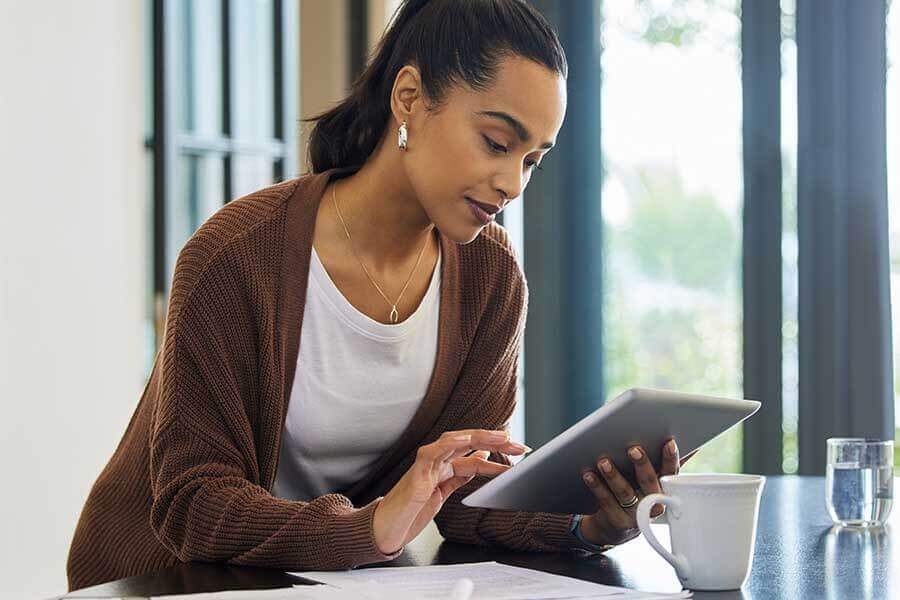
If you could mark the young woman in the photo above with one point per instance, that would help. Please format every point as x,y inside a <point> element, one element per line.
<point>340,354</point>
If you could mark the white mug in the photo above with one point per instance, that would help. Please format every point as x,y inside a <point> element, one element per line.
<point>712,526</point>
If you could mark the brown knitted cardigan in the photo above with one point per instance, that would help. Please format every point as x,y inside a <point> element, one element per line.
<point>190,479</point>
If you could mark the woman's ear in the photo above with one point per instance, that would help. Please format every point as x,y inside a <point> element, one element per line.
<point>407,95</point>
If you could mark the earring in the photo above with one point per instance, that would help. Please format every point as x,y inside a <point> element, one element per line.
<point>401,136</point>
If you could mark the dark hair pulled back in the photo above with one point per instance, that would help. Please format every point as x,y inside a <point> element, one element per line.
<point>449,41</point>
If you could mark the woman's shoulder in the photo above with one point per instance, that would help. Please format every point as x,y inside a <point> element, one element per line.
<point>248,226</point>
<point>239,218</point>
<point>490,270</point>
<point>493,251</point>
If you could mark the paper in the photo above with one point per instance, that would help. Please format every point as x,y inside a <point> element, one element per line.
<point>491,581</point>
<point>306,592</point>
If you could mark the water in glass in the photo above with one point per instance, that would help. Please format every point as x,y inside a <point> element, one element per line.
<point>859,495</point>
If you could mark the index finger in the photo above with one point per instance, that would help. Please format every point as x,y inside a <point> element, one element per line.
<point>495,436</point>
<point>442,449</point>
<point>470,466</point>
<point>488,439</point>
<point>449,448</point>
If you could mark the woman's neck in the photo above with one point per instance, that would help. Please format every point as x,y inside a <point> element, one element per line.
<point>385,220</point>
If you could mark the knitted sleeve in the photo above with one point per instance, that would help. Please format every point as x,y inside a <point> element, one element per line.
<point>207,501</point>
<point>488,400</point>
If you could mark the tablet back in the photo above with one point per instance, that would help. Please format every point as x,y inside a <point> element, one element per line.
<point>549,479</point>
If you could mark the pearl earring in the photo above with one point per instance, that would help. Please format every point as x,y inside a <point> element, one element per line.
<point>401,136</point>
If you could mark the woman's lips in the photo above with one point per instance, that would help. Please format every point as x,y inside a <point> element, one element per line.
<point>482,215</point>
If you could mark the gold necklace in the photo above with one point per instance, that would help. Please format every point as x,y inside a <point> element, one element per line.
<point>395,315</point>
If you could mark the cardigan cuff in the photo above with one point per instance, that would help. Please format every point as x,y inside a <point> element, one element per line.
<point>353,535</point>
<point>557,530</point>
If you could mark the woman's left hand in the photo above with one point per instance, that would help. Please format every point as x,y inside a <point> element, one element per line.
<point>613,523</point>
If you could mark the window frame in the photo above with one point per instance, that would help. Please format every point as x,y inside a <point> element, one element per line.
<point>165,144</point>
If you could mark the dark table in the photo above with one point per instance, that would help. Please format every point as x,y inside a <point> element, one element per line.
<point>799,554</point>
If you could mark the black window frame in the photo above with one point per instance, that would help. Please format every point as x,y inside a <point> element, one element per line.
<point>166,144</point>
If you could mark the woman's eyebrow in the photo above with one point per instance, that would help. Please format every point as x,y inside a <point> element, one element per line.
<point>521,131</point>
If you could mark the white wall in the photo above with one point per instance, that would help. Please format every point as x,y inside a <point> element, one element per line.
<point>72,240</point>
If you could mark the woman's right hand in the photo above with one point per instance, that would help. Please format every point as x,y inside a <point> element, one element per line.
<point>440,468</point>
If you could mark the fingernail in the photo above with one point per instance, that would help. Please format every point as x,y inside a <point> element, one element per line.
<point>635,453</point>
<point>521,447</point>
<point>671,448</point>
<point>606,466</point>
<point>589,479</point>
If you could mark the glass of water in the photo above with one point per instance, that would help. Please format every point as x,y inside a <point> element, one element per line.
<point>859,483</point>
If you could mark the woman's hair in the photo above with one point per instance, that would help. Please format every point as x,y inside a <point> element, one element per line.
<point>449,41</point>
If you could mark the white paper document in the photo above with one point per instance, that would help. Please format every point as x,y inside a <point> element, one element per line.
<point>491,581</point>
<point>306,592</point>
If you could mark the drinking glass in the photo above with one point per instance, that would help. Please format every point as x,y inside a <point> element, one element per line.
<point>859,483</point>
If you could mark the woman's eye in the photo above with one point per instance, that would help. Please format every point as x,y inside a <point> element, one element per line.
<point>494,145</point>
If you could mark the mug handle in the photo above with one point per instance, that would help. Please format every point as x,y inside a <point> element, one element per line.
<point>679,561</point>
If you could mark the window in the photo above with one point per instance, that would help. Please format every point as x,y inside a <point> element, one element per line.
<point>222,77</point>
<point>512,218</point>
<point>789,244</point>
<point>672,200</point>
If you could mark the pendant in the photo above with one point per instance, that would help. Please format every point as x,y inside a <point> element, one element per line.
<point>395,316</point>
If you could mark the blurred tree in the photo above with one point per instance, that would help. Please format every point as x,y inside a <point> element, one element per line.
<point>679,237</point>
<point>671,299</point>
<point>678,22</point>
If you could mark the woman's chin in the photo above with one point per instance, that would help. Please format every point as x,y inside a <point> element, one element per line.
<point>460,233</point>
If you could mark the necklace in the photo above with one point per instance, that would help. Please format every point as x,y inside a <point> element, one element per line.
<point>395,315</point>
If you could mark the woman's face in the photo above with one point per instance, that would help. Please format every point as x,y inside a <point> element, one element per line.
<point>483,147</point>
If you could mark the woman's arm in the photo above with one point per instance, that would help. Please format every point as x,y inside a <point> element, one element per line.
<point>207,500</point>
<point>206,503</point>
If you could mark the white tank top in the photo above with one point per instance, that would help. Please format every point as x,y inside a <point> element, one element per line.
<point>357,385</point>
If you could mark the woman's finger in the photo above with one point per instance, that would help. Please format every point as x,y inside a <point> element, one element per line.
<point>451,485</point>
<point>452,482</point>
<point>445,446</point>
<point>607,502</point>
<point>498,434</point>
<point>669,463</point>
<point>510,449</point>
<point>462,443</point>
<point>427,471</point>
<point>484,454</point>
<point>489,439</point>
<point>645,475</point>
<point>496,441</point>
<point>476,465</point>
<point>617,484</point>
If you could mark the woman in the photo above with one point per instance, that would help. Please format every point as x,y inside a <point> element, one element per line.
<point>258,442</point>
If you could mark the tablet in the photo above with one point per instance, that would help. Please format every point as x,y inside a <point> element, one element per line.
<point>549,479</point>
